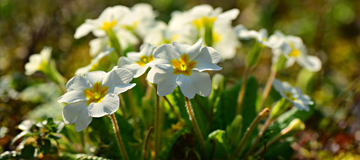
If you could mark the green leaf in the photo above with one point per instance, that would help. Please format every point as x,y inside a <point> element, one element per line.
<point>233,131</point>
<point>280,150</point>
<point>70,156</point>
<point>171,147</point>
<point>225,111</point>
<point>178,99</point>
<point>220,150</point>
<point>28,152</point>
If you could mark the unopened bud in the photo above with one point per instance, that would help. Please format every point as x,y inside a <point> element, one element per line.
<point>295,125</point>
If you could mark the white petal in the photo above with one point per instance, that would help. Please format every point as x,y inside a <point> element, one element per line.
<point>296,41</point>
<point>121,88</point>
<point>208,55</point>
<point>147,49</point>
<point>117,76</point>
<point>278,85</point>
<point>197,82</point>
<point>83,30</point>
<point>194,50</point>
<point>26,125</point>
<point>243,33</point>
<point>300,106</point>
<point>286,48</point>
<point>96,45</point>
<point>168,84</point>
<point>73,96</point>
<point>311,63</point>
<point>274,41</point>
<point>229,15</point>
<point>206,66</point>
<point>166,52</point>
<point>107,106</point>
<point>71,112</point>
<point>133,56</point>
<point>83,121</point>
<point>180,48</point>
<point>77,83</point>
<point>159,73</point>
<point>263,34</point>
<point>95,76</point>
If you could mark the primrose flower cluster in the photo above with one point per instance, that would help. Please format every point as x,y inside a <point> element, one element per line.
<point>178,54</point>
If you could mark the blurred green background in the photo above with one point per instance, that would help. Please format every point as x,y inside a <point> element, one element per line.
<point>329,28</point>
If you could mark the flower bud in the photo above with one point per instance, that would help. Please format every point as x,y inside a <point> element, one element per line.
<point>295,125</point>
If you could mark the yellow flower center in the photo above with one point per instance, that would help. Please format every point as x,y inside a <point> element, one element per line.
<point>108,25</point>
<point>203,21</point>
<point>145,59</point>
<point>183,66</point>
<point>95,94</point>
<point>216,37</point>
<point>294,52</point>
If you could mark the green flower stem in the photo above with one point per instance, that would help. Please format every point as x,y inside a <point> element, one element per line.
<point>254,144</point>
<point>195,125</point>
<point>242,91</point>
<point>248,131</point>
<point>53,74</point>
<point>114,41</point>
<point>157,117</point>
<point>173,110</point>
<point>267,88</point>
<point>122,105</point>
<point>132,109</point>
<point>118,137</point>
<point>146,142</point>
<point>270,142</point>
<point>253,56</point>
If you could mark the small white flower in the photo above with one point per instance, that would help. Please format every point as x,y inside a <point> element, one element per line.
<point>38,62</point>
<point>140,19</point>
<point>94,63</point>
<point>183,65</point>
<point>293,94</point>
<point>294,50</point>
<point>138,62</point>
<point>274,41</point>
<point>94,95</point>
<point>108,20</point>
<point>210,24</point>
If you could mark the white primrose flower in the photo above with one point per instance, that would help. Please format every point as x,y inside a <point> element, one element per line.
<point>162,34</point>
<point>107,20</point>
<point>294,50</point>
<point>94,62</point>
<point>38,62</point>
<point>183,65</point>
<point>293,94</point>
<point>140,19</point>
<point>274,41</point>
<point>210,24</point>
<point>138,62</point>
<point>94,95</point>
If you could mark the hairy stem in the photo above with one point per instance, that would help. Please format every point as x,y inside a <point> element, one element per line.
<point>146,142</point>
<point>267,88</point>
<point>253,146</point>
<point>195,125</point>
<point>242,91</point>
<point>248,131</point>
<point>118,137</point>
<point>157,116</point>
